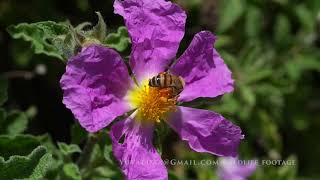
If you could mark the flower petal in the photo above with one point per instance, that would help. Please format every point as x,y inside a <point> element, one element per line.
<point>202,68</point>
<point>138,158</point>
<point>206,131</point>
<point>232,168</point>
<point>94,84</point>
<point>156,28</point>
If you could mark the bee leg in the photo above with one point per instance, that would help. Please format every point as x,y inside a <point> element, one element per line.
<point>164,99</point>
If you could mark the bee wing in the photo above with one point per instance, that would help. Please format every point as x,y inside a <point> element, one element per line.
<point>173,62</point>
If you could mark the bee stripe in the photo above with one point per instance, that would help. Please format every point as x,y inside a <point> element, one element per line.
<point>157,80</point>
<point>153,81</point>
<point>162,82</point>
<point>165,80</point>
<point>169,80</point>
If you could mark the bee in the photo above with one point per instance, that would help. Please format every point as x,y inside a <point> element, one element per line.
<point>168,81</point>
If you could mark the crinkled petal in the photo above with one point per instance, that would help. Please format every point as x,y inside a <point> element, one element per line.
<point>232,168</point>
<point>206,131</point>
<point>94,84</point>
<point>156,28</point>
<point>138,158</point>
<point>202,68</point>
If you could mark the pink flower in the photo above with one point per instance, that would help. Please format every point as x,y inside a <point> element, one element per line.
<point>233,169</point>
<point>98,88</point>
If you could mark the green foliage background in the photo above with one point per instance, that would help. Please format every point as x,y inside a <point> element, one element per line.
<point>272,47</point>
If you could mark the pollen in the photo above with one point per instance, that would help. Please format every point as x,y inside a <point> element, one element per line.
<point>153,103</point>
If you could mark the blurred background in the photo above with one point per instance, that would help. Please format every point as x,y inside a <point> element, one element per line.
<point>272,47</point>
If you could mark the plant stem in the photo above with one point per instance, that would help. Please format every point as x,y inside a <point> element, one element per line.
<point>87,150</point>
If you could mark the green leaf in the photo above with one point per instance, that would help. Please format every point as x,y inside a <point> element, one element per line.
<point>99,31</point>
<point>68,149</point>
<point>281,2</point>
<point>269,132</point>
<point>3,90</point>
<point>259,74</point>
<point>17,145</point>
<point>231,11</point>
<point>247,95</point>
<point>78,134</point>
<point>106,172</point>
<point>223,41</point>
<point>21,54</point>
<point>172,176</point>
<point>68,45</point>
<point>41,35</point>
<point>71,172</point>
<point>288,171</point>
<point>253,22</point>
<point>107,153</point>
<point>33,166</point>
<point>230,105</point>
<point>302,63</point>
<point>3,116</point>
<point>282,30</point>
<point>119,41</point>
<point>305,18</point>
<point>16,123</point>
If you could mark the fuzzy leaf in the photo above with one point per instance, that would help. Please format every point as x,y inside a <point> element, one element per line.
<point>68,149</point>
<point>99,31</point>
<point>33,166</point>
<point>17,145</point>
<point>41,35</point>
<point>119,40</point>
<point>71,172</point>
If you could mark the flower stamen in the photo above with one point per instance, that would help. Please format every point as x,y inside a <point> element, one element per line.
<point>153,103</point>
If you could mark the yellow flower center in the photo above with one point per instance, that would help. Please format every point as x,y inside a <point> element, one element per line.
<point>152,103</point>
